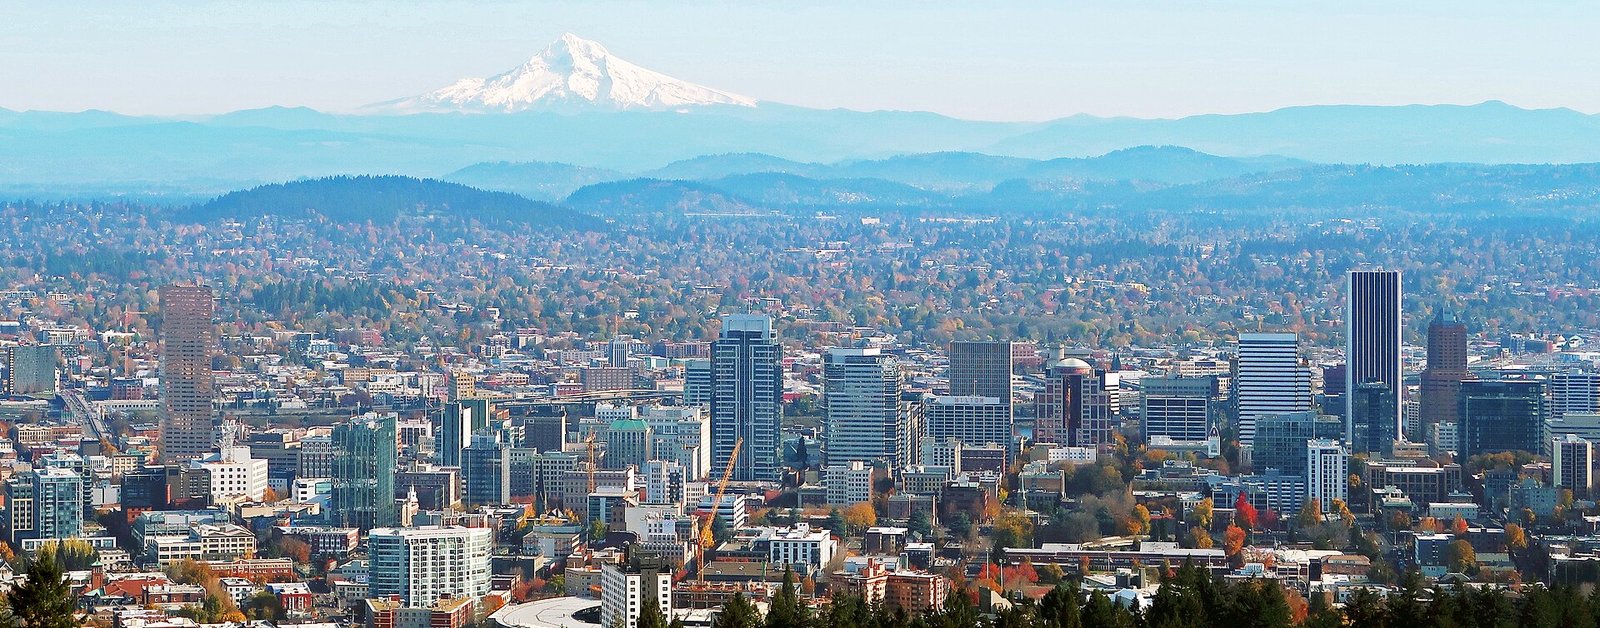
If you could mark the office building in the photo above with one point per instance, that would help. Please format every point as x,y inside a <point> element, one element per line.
<point>628,443</point>
<point>235,475</point>
<point>862,396</point>
<point>1372,353</point>
<point>1078,406</point>
<point>981,369</point>
<point>187,342</point>
<point>424,564</point>
<point>1574,391</point>
<point>545,429</point>
<point>1572,460</point>
<point>1440,389</point>
<point>697,382</point>
<point>680,434</point>
<point>461,419</point>
<point>970,420</point>
<point>601,379</point>
<point>1371,432</point>
<point>1178,408</point>
<point>364,466</point>
<point>1281,438</point>
<point>486,470</point>
<point>747,399</point>
<point>627,588</point>
<point>44,503</point>
<point>31,370</point>
<point>617,351</point>
<point>1327,472</point>
<point>1271,379</point>
<point>848,482</point>
<point>1501,415</point>
<point>664,482</point>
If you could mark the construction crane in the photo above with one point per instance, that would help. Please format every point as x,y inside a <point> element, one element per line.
<point>707,538</point>
<point>589,443</point>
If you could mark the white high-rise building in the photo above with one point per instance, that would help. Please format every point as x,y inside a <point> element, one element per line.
<point>862,397</point>
<point>972,420</point>
<point>1574,392</point>
<point>1272,380</point>
<point>681,434</point>
<point>664,482</point>
<point>424,564</point>
<point>1572,458</point>
<point>625,588</point>
<point>234,474</point>
<point>849,483</point>
<point>1327,472</point>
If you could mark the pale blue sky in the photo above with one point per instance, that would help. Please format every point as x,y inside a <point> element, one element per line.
<point>994,60</point>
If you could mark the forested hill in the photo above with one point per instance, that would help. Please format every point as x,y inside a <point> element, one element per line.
<point>384,199</point>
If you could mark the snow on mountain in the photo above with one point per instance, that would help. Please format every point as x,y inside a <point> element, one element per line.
<point>572,74</point>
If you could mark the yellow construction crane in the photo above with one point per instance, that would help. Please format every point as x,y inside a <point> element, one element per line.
<point>589,443</point>
<point>707,538</point>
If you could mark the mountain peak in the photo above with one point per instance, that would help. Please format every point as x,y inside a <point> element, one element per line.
<point>570,74</point>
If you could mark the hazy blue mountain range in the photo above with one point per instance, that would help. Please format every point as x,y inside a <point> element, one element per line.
<point>382,199</point>
<point>98,153</point>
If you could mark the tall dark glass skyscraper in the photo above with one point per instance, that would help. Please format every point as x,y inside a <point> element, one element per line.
<point>1372,353</point>
<point>363,472</point>
<point>747,398</point>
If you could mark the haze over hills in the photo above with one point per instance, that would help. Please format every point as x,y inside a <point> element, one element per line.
<point>574,103</point>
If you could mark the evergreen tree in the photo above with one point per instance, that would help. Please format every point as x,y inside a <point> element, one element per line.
<point>43,600</point>
<point>786,610</point>
<point>737,613</point>
<point>650,614</point>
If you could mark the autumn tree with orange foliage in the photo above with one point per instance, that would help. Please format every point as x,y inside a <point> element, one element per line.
<point>1233,540</point>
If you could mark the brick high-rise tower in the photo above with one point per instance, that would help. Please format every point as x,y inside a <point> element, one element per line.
<point>187,342</point>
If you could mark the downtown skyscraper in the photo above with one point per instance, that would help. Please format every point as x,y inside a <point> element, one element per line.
<point>1372,356</point>
<point>187,342</point>
<point>747,398</point>
<point>1270,379</point>
<point>866,422</point>
<point>1440,388</point>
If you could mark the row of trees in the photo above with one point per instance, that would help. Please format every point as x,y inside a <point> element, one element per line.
<point>1189,597</point>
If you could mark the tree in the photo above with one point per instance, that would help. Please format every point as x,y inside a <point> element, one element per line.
<point>836,522</point>
<point>920,523</point>
<point>1460,556</point>
<point>860,516</point>
<point>1199,538</point>
<point>1516,539</point>
<point>1202,514</point>
<point>1012,530</point>
<point>737,613</point>
<point>43,600</point>
<point>1233,540</point>
<point>786,611</point>
<point>960,524</point>
<point>650,614</point>
<point>1310,514</point>
<point>1245,513</point>
<point>1140,520</point>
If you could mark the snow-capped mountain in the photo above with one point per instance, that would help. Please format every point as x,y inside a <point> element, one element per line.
<point>572,74</point>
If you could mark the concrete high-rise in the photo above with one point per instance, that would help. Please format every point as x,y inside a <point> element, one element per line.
<point>973,420</point>
<point>1440,388</point>
<point>1327,472</point>
<point>424,564</point>
<point>747,398</point>
<point>460,420</point>
<point>861,393</point>
<point>1572,459</point>
<point>364,469</point>
<point>1178,408</point>
<point>1574,392</point>
<point>1372,351</point>
<point>981,369</point>
<point>187,342</point>
<point>31,370</point>
<point>1271,379</point>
